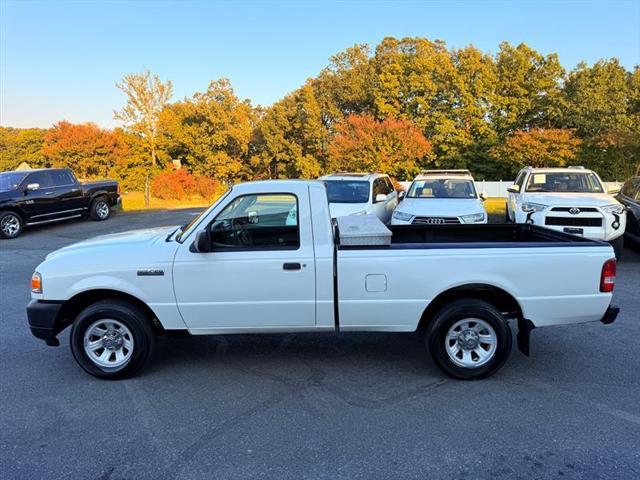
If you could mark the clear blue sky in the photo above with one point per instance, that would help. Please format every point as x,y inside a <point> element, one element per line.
<point>61,59</point>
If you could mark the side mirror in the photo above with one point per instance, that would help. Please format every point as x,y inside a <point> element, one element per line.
<point>401,194</point>
<point>513,189</point>
<point>613,190</point>
<point>381,197</point>
<point>483,196</point>
<point>203,242</point>
<point>33,186</point>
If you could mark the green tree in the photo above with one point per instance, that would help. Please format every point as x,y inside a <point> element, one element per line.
<point>293,136</point>
<point>147,96</point>
<point>599,99</point>
<point>19,145</point>
<point>528,89</point>
<point>210,133</point>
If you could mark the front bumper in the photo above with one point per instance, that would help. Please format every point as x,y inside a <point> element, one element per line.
<point>605,231</point>
<point>44,320</point>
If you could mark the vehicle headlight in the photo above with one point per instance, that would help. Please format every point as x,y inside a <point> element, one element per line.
<point>533,207</point>
<point>614,208</point>
<point>473,218</point>
<point>36,283</point>
<point>402,216</point>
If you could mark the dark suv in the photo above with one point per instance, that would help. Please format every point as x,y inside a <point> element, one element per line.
<point>33,197</point>
<point>630,196</point>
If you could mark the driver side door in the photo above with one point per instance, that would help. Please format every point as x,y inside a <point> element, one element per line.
<point>260,272</point>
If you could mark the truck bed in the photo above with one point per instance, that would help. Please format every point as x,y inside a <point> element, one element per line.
<point>479,236</point>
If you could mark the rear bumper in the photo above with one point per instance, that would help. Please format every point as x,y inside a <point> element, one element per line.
<point>43,320</point>
<point>610,315</point>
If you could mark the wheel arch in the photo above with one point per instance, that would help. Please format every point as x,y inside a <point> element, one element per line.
<point>498,297</point>
<point>16,210</point>
<point>100,193</point>
<point>74,305</point>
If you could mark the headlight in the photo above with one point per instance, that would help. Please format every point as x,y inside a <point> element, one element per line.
<point>36,283</point>
<point>533,207</point>
<point>615,208</point>
<point>474,218</point>
<point>402,216</point>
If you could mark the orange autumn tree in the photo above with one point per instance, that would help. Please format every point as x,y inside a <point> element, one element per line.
<point>84,148</point>
<point>364,144</point>
<point>538,148</point>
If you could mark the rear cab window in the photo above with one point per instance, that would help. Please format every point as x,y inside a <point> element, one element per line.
<point>62,178</point>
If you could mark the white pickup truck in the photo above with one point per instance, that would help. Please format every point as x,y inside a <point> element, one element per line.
<point>265,258</point>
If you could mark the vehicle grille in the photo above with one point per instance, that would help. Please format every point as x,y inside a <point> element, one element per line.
<point>435,221</point>
<point>574,221</point>
<point>568,209</point>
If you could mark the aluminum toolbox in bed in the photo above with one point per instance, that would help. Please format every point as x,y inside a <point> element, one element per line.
<point>362,230</point>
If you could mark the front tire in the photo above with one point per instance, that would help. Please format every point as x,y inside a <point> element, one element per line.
<point>10,225</point>
<point>100,209</point>
<point>112,339</point>
<point>469,339</point>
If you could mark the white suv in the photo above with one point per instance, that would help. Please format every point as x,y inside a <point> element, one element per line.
<point>571,200</point>
<point>360,194</point>
<point>439,197</point>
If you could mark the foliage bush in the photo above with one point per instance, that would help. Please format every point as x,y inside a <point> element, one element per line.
<point>180,184</point>
<point>173,184</point>
<point>207,187</point>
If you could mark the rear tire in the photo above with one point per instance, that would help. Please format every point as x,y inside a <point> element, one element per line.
<point>112,339</point>
<point>469,339</point>
<point>100,209</point>
<point>10,225</point>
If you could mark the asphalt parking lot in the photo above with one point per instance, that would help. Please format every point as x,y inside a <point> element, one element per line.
<point>314,406</point>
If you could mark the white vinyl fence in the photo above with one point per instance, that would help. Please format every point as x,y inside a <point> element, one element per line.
<point>499,188</point>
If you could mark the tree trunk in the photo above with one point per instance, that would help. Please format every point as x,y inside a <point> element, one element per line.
<point>147,185</point>
<point>147,192</point>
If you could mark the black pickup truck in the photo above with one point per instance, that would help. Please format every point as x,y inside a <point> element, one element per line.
<point>33,197</point>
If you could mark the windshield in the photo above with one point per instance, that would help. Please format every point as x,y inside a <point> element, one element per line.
<point>347,191</point>
<point>564,182</point>
<point>185,228</point>
<point>11,180</point>
<point>442,188</point>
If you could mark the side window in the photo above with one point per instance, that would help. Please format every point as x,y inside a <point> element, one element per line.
<point>257,222</point>
<point>520,180</point>
<point>390,187</point>
<point>61,178</point>
<point>379,187</point>
<point>41,178</point>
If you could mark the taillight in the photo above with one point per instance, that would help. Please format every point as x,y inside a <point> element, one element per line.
<point>118,189</point>
<point>608,276</point>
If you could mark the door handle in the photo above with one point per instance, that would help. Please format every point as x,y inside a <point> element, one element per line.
<point>291,266</point>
